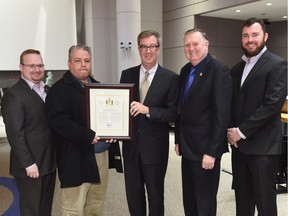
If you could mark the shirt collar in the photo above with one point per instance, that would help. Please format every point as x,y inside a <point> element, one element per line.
<point>81,83</point>
<point>151,71</point>
<point>31,84</point>
<point>198,66</point>
<point>254,58</point>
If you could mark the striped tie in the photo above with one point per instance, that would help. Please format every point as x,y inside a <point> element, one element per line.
<point>144,87</point>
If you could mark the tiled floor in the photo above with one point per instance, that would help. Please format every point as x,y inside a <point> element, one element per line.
<point>116,204</point>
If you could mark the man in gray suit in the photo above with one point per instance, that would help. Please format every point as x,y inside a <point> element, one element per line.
<point>146,157</point>
<point>32,161</point>
<point>259,91</point>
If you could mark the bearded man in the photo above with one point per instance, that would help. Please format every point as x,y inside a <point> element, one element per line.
<point>259,91</point>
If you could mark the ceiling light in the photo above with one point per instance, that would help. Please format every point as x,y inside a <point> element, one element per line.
<point>238,11</point>
<point>269,4</point>
<point>284,17</point>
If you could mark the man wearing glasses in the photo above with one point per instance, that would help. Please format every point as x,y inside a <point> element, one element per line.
<point>154,106</point>
<point>32,161</point>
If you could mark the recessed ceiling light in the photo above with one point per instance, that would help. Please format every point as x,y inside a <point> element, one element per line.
<point>269,4</point>
<point>238,11</point>
<point>284,17</point>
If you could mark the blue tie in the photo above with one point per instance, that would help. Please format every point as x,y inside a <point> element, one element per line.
<point>188,83</point>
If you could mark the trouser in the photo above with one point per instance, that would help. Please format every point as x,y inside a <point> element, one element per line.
<point>87,199</point>
<point>200,187</point>
<point>36,195</point>
<point>254,181</point>
<point>137,176</point>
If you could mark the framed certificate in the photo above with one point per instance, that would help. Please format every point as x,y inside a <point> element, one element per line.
<point>108,110</point>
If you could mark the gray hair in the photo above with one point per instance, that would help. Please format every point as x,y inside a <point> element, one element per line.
<point>78,46</point>
<point>205,36</point>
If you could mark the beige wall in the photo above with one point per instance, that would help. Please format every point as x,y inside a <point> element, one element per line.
<point>96,27</point>
<point>151,18</point>
<point>225,38</point>
<point>224,35</point>
<point>48,26</point>
<point>171,19</point>
<point>99,31</point>
<point>277,40</point>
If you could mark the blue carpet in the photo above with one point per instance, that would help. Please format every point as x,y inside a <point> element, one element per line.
<point>10,184</point>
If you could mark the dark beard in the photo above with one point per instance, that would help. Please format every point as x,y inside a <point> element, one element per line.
<point>256,52</point>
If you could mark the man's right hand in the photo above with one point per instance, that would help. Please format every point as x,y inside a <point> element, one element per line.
<point>95,140</point>
<point>177,149</point>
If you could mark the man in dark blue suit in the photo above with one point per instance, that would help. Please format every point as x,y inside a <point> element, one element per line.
<point>259,92</point>
<point>201,128</point>
<point>146,157</point>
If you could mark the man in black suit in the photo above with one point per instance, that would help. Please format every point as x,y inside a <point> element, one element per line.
<point>259,91</point>
<point>32,158</point>
<point>201,128</point>
<point>146,157</point>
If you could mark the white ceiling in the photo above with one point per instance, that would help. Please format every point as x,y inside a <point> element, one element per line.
<point>259,9</point>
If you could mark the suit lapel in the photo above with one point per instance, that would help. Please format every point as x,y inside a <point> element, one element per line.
<point>238,76</point>
<point>156,84</point>
<point>35,95</point>
<point>135,80</point>
<point>199,75</point>
<point>30,91</point>
<point>183,84</point>
<point>256,69</point>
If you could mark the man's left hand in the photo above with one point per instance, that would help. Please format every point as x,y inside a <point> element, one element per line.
<point>233,136</point>
<point>138,108</point>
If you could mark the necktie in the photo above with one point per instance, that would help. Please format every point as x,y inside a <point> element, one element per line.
<point>144,87</point>
<point>188,83</point>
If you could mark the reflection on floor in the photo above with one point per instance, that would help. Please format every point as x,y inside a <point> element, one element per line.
<point>116,204</point>
<point>9,193</point>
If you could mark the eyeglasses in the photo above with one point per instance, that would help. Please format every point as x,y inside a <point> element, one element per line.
<point>145,48</point>
<point>34,66</point>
